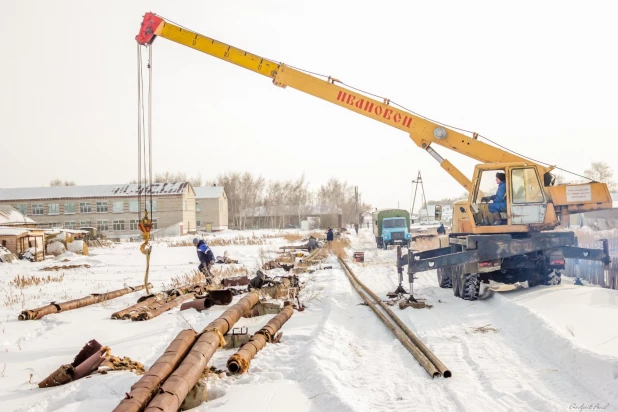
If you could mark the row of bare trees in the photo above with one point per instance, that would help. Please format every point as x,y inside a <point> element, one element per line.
<point>254,201</point>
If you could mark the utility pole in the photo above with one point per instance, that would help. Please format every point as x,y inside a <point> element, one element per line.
<point>356,198</point>
<point>419,180</point>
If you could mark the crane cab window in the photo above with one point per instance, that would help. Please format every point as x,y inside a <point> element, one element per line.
<point>526,186</point>
<point>487,184</point>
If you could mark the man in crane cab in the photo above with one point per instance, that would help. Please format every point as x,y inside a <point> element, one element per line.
<point>498,201</point>
<point>206,257</point>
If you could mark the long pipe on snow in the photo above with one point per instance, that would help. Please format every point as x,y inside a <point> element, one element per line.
<point>143,390</point>
<point>414,345</point>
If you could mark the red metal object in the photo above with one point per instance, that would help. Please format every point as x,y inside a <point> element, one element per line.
<point>149,26</point>
<point>198,304</point>
<point>87,361</point>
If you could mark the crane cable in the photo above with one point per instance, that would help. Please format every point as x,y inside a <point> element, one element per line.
<point>145,224</point>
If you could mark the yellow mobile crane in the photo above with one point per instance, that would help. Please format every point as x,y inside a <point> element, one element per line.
<point>509,243</point>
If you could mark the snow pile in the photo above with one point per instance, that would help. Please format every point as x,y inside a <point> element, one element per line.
<point>77,246</point>
<point>55,248</point>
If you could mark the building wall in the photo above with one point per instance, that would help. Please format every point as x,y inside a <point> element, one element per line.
<point>169,210</point>
<point>213,211</point>
<point>188,215</point>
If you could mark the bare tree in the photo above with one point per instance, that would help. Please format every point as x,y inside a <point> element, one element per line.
<point>59,182</point>
<point>601,172</point>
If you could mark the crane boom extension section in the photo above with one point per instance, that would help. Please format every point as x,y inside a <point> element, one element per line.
<point>421,131</point>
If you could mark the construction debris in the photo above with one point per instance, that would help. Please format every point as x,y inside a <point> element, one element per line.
<point>416,305</point>
<point>236,339</point>
<point>224,260</point>
<point>91,359</point>
<point>485,329</point>
<point>65,267</point>
<point>235,281</point>
<point>240,361</point>
<point>114,363</point>
<point>262,308</point>
<point>214,297</point>
<point>53,307</point>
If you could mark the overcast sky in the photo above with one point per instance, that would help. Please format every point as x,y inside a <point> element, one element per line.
<point>539,77</point>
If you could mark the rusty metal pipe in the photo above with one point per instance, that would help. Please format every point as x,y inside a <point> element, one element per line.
<point>131,310</point>
<point>38,313</point>
<point>143,390</point>
<point>159,308</point>
<point>178,385</point>
<point>444,371</point>
<point>414,351</point>
<point>240,361</point>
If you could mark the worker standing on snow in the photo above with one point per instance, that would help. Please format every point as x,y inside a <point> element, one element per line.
<point>205,255</point>
<point>330,236</point>
<point>356,228</point>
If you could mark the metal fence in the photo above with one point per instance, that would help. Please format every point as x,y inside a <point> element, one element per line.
<point>594,272</point>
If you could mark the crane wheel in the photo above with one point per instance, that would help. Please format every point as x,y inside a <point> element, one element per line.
<point>471,285</point>
<point>445,278</point>
<point>552,278</point>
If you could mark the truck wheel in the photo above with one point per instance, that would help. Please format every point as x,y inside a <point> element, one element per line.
<point>471,285</point>
<point>455,280</point>
<point>445,279</point>
<point>552,278</point>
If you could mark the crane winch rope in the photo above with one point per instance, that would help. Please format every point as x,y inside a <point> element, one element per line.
<point>144,183</point>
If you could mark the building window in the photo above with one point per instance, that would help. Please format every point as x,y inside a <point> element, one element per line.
<point>154,205</point>
<point>134,206</point>
<point>52,225</point>
<point>155,224</point>
<point>84,207</point>
<point>133,224</point>
<point>23,209</point>
<point>37,209</point>
<point>101,207</point>
<point>198,223</point>
<point>84,224</point>
<point>69,225</point>
<point>118,225</point>
<point>102,226</point>
<point>197,207</point>
<point>53,209</point>
<point>118,207</point>
<point>69,208</point>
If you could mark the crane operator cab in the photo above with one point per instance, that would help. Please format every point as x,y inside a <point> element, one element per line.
<point>510,195</point>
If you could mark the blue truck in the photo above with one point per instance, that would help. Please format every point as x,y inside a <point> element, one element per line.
<point>391,227</point>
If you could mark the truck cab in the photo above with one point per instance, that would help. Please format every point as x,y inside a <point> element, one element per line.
<point>392,227</point>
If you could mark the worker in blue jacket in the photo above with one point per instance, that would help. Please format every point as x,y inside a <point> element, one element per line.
<point>330,236</point>
<point>498,200</point>
<point>205,255</point>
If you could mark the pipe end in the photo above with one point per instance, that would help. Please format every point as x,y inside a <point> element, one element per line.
<point>447,374</point>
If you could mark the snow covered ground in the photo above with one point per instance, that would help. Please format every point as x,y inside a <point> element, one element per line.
<point>554,348</point>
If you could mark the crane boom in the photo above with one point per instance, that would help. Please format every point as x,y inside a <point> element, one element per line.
<point>423,132</point>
